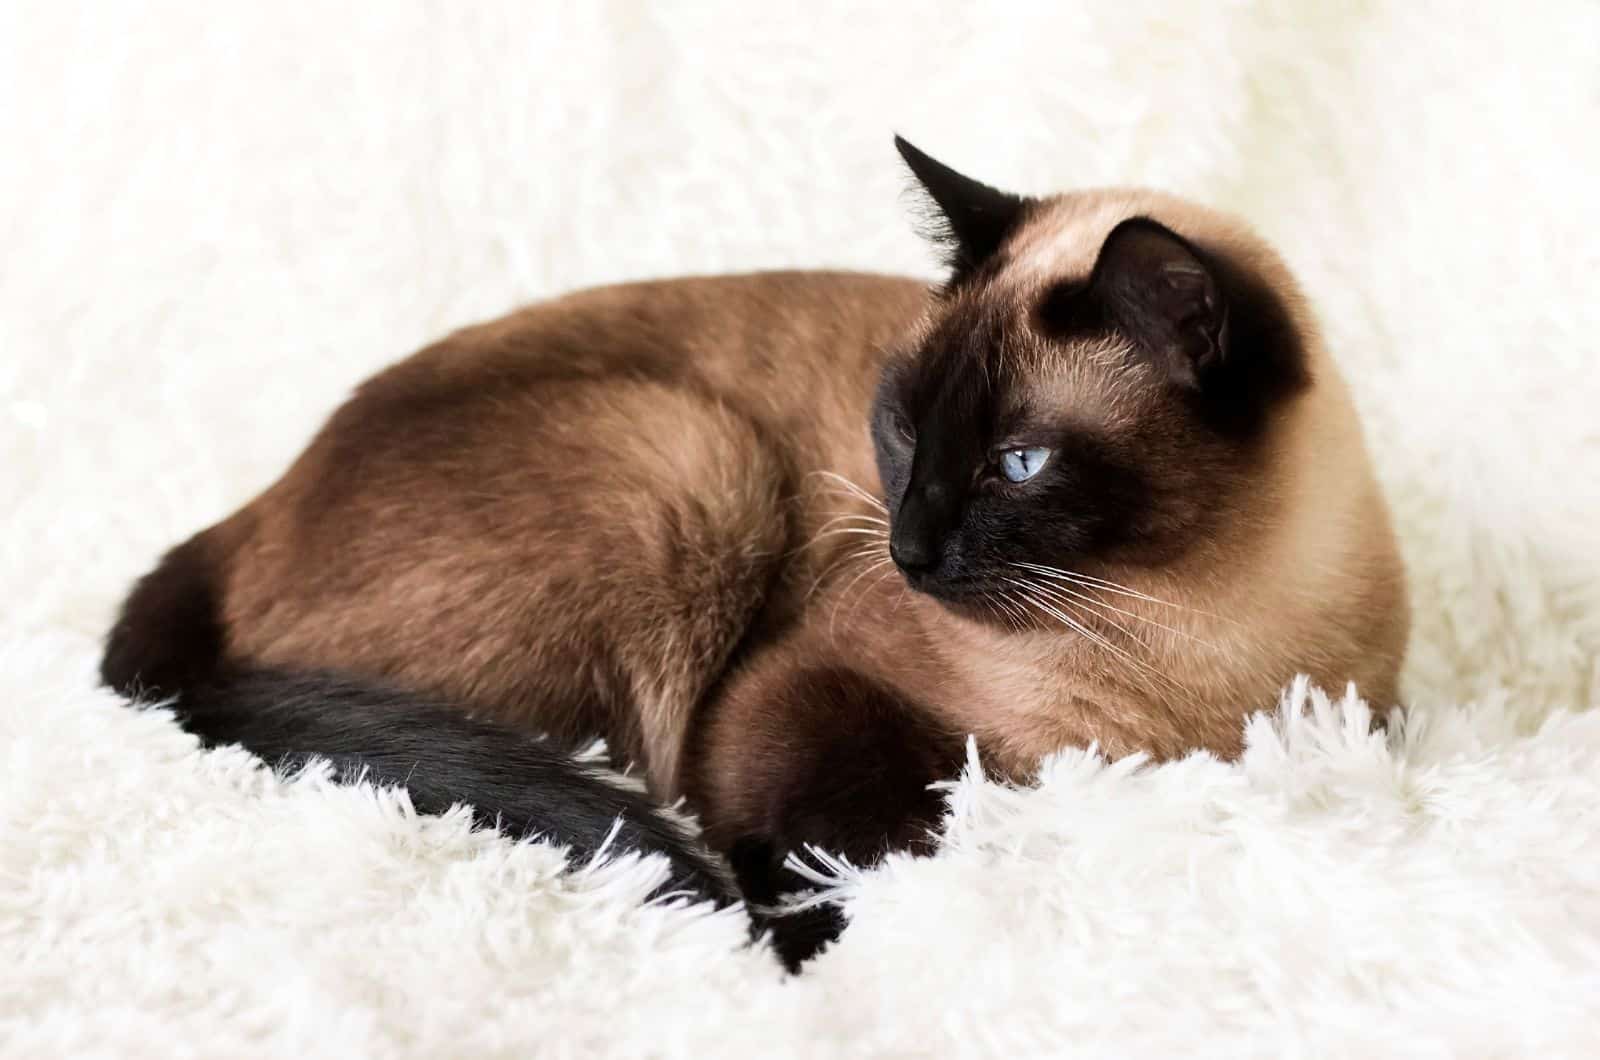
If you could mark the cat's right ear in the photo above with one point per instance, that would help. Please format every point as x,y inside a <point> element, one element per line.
<point>969,219</point>
<point>1164,295</point>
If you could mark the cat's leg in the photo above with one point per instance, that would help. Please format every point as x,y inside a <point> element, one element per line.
<point>803,752</point>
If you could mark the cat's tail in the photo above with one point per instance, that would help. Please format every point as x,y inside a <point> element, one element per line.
<point>167,647</point>
<point>444,758</point>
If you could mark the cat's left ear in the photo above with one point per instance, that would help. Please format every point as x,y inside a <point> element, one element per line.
<point>976,217</point>
<point>1160,291</point>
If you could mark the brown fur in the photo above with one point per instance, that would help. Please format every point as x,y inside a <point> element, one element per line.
<point>630,512</point>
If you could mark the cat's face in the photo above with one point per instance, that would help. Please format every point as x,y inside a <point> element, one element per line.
<point>1082,424</point>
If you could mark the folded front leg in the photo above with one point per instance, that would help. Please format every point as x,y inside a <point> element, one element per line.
<point>818,754</point>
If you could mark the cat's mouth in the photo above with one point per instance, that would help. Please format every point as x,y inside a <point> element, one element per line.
<point>962,590</point>
<point>986,600</point>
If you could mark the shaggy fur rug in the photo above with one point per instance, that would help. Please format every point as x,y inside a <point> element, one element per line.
<point>217,218</point>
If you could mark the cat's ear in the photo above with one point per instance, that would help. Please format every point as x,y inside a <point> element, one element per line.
<point>1159,291</point>
<point>970,219</point>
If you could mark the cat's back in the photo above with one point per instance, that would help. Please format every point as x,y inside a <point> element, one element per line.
<point>797,353</point>
<point>730,333</point>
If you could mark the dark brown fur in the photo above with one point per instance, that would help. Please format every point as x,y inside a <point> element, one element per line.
<point>649,512</point>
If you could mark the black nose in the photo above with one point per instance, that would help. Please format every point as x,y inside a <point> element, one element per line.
<point>917,539</point>
<point>916,555</point>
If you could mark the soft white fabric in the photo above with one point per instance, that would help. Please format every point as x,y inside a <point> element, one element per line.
<point>218,217</point>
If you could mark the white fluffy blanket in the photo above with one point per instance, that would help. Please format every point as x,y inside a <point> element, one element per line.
<point>218,217</point>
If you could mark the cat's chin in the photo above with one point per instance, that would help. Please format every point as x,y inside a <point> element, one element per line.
<point>970,598</point>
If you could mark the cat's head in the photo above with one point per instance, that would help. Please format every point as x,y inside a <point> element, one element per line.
<point>1091,392</point>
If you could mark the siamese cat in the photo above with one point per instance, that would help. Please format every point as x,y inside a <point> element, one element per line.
<point>786,540</point>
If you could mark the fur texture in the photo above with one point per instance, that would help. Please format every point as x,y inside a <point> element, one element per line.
<point>228,216</point>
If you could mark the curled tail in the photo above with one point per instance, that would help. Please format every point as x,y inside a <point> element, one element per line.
<point>168,643</point>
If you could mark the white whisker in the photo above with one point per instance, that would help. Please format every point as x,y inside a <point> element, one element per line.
<point>1086,581</point>
<point>1017,613</point>
<point>833,617</point>
<point>1103,606</point>
<point>855,517</point>
<point>1031,591</point>
<point>859,554</point>
<point>852,487</point>
<point>1065,597</point>
<point>865,531</point>
<point>867,591</point>
<point>1098,583</point>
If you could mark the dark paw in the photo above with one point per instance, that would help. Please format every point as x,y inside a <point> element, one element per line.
<point>764,881</point>
<point>797,937</point>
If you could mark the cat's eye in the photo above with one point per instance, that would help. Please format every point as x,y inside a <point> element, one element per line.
<point>903,428</point>
<point>1019,465</point>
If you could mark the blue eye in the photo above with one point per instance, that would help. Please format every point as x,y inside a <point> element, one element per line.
<point>1019,465</point>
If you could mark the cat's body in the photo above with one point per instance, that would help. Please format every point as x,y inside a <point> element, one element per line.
<point>661,513</point>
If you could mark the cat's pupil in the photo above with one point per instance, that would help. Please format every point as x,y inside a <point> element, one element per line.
<point>1019,465</point>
